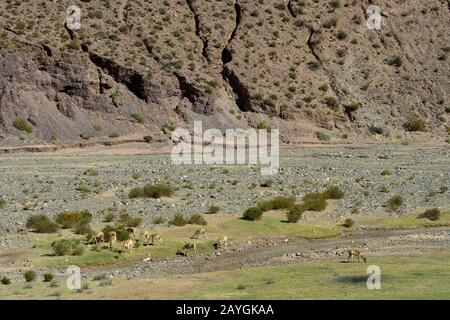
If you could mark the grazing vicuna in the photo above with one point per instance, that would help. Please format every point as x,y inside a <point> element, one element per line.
<point>187,246</point>
<point>356,253</point>
<point>199,233</point>
<point>222,241</point>
<point>156,237</point>
<point>97,235</point>
<point>127,246</point>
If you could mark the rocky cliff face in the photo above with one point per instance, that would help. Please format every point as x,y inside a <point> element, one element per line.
<point>300,66</point>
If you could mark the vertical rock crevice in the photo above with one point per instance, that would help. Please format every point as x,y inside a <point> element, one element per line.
<point>198,27</point>
<point>243,97</point>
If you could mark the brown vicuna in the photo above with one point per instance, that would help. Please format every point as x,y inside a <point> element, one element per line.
<point>356,253</point>
<point>187,246</point>
<point>222,242</point>
<point>199,233</point>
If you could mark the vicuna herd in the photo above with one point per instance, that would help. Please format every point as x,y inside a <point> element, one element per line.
<point>145,238</point>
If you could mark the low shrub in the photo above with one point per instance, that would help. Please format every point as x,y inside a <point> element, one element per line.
<point>322,136</point>
<point>121,232</point>
<point>334,193</point>
<point>385,173</point>
<point>394,202</point>
<point>48,277</point>
<point>430,214</point>
<point>416,124</point>
<point>5,281</point>
<point>136,193</point>
<point>267,184</point>
<point>178,220</point>
<point>129,221</point>
<point>253,214</point>
<point>137,117</point>
<point>277,203</point>
<point>315,201</point>
<point>348,223</point>
<point>22,125</point>
<point>295,213</point>
<point>148,138</point>
<point>73,219</point>
<point>197,219</point>
<point>42,224</point>
<point>90,172</point>
<point>83,229</point>
<point>157,191</point>
<point>29,275</point>
<point>110,216</point>
<point>66,247</point>
<point>213,209</point>
<point>158,220</point>
<point>376,129</point>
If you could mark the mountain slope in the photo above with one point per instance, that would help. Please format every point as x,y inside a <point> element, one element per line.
<point>301,66</point>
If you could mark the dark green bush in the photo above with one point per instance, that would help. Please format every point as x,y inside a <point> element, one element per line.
<point>348,223</point>
<point>197,219</point>
<point>136,193</point>
<point>295,213</point>
<point>253,214</point>
<point>42,224</point>
<point>277,203</point>
<point>5,281</point>
<point>430,214</point>
<point>213,209</point>
<point>178,220</point>
<point>148,138</point>
<point>29,275</point>
<point>48,277</point>
<point>65,247</point>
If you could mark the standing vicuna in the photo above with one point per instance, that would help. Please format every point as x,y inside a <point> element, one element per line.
<point>222,241</point>
<point>112,239</point>
<point>199,233</point>
<point>356,253</point>
<point>156,237</point>
<point>97,235</point>
<point>187,246</point>
<point>127,246</point>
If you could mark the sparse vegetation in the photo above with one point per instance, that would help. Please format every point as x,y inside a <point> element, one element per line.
<point>29,275</point>
<point>348,223</point>
<point>416,124</point>
<point>42,224</point>
<point>277,203</point>
<point>152,191</point>
<point>22,125</point>
<point>394,203</point>
<point>65,247</point>
<point>430,214</point>
<point>73,219</point>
